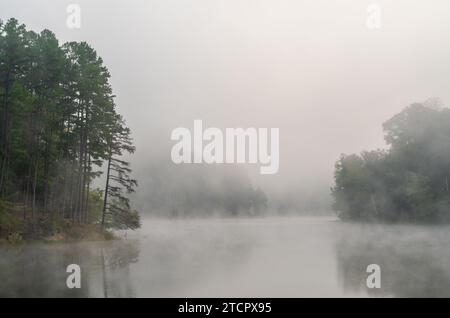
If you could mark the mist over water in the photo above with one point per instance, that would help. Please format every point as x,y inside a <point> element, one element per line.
<point>238,257</point>
<point>313,70</point>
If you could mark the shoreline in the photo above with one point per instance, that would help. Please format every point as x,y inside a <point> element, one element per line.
<point>71,234</point>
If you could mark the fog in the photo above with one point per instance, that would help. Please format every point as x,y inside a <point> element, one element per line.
<point>311,68</point>
<point>276,257</point>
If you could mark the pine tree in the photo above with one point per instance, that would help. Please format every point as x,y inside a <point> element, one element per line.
<point>58,125</point>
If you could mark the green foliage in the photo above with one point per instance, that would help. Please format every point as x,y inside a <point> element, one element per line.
<point>409,181</point>
<point>121,217</point>
<point>95,206</point>
<point>58,124</point>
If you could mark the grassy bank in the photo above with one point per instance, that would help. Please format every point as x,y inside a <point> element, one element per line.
<point>15,229</point>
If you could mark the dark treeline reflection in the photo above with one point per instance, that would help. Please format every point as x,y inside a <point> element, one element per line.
<point>39,270</point>
<point>414,260</point>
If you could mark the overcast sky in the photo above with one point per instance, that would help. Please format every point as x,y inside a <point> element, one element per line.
<point>311,68</point>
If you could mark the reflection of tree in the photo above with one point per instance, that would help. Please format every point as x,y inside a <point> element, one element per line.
<point>121,254</point>
<point>414,261</point>
<point>39,270</point>
<point>115,261</point>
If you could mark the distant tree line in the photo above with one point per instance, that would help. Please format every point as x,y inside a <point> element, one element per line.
<point>230,197</point>
<point>58,124</point>
<point>199,191</point>
<point>408,182</point>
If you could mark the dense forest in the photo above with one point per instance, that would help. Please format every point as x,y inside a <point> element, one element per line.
<point>59,130</point>
<point>408,182</point>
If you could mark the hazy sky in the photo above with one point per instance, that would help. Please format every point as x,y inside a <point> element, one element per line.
<point>311,68</point>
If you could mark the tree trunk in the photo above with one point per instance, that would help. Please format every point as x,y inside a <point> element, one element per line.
<point>33,209</point>
<point>105,200</point>
<point>4,135</point>
<point>372,198</point>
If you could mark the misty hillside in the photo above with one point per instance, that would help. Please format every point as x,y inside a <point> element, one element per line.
<point>193,190</point>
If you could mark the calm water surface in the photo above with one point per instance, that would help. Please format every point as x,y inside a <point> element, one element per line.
<point>270,257</point>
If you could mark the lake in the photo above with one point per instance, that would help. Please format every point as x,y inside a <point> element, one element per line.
<point>262,257</point>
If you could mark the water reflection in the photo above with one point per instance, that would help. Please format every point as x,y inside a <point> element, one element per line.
<point>273,257</point>
<point>414,260</point>
<point>39,270</point>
